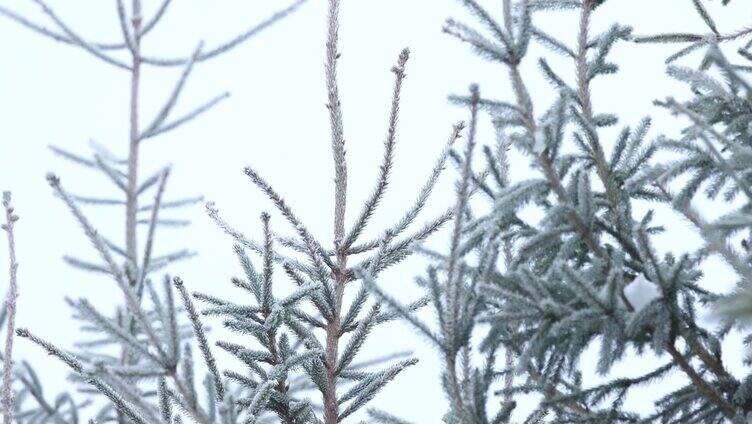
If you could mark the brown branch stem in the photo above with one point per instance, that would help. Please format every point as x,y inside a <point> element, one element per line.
<point>700,384</point>
<point>333,331</point>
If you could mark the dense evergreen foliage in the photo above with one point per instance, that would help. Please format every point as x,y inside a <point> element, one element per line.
<point>587,272</point>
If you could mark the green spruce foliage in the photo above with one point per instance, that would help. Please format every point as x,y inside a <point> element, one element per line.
<point>588,273</point>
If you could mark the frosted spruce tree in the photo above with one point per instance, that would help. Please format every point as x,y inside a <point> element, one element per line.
<point>138,364</point>
<point>587,272</point>
<point>304,364</point>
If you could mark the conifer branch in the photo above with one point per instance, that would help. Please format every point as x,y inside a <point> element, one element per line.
<point>153,219</point>
<point>201,338</point>
<point>454,280</point>
<point>230,44</point>
<point>389,145</point>
<point>76,365</point>
<point>131,300</point>
<point>172,100</point>
<point>98,49</point>
<point>75,39</point>
<point>701,385</point>
<point>6,393</point>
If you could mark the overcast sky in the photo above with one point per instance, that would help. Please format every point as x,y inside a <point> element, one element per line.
<point>275,120</point>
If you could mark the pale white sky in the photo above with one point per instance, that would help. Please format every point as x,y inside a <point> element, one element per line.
<point>275,121</point>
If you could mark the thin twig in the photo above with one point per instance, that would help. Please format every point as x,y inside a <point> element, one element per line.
<point>386,165</point>
<point>701,385</point>
<point>152,228</point>
<point>6,394</point>
<point>164,113</point>
<point>77,40</point>
<point>229,45</point>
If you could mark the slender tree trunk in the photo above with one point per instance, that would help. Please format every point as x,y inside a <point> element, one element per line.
<point>132,188</point>
<point>454,385</point>
<point>131,207</point>
<point>331,406</point>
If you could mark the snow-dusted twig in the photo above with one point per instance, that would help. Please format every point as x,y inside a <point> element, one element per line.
<point>6,393</point>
